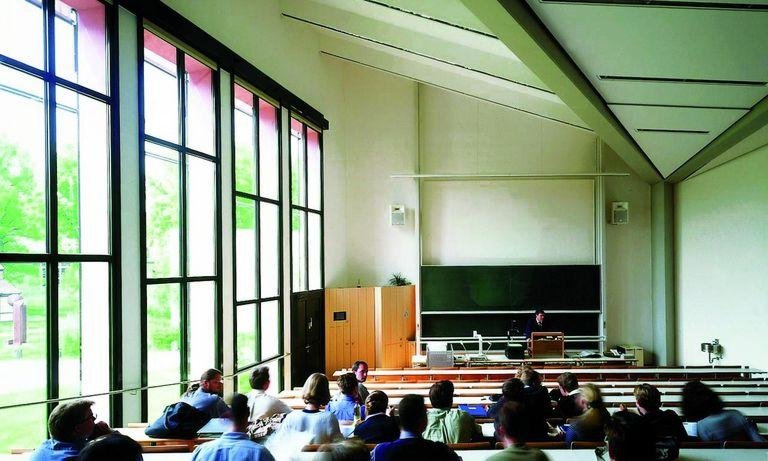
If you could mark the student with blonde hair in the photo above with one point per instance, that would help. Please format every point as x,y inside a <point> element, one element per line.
<point>589,425</point>
<point>316,426</point>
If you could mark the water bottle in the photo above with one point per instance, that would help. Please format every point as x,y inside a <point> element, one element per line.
<point>356,413</point>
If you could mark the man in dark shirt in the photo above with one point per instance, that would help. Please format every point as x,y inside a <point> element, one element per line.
<point>536,395</point>
<point>535,323</point>
<point>377,427</point>
<point>565,395</point>
<point>411,446</point>
<point>666,425</point>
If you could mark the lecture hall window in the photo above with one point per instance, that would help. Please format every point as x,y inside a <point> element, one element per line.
<point>181,167</point>
<point>55,202</point>
<point>257,235</point>
<point>306,207</point>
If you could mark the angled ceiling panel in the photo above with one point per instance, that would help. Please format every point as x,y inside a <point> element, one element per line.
<point>378,25</point>
<point>450,78</point>
<point>660,42</point>
<point>681,94</point>
<point>669,65</point>
<point>441,51</point>
<point>452,12</point>
<point>671,135</point>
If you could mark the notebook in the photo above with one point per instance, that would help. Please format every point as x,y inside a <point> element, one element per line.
<point>478,411</point>
<point>215,427</point>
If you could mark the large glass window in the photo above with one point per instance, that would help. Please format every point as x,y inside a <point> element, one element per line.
<point>306,208</point>
<point>55,202</point>
<point>180,220</point>
<point>257,232</point>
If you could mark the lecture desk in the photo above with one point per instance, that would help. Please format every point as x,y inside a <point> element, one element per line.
<point>137,434</point>
<point>552,373</point>
<point>466,384</point>
<point>755,413</point>
<point>662,385</point>
<point>686,454</point>
<point>723,391</point>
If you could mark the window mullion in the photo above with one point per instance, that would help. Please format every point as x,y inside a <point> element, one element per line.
<point>305,186</point>
<point>322,215</point>
<point>183,302</point>
<point>257,161</point>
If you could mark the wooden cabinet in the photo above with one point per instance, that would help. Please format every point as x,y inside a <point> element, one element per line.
<point>374,324</point>
<point>395,325</point>
<point>349,327</point>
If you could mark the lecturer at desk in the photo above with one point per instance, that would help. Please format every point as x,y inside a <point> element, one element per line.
<point>535,323</point>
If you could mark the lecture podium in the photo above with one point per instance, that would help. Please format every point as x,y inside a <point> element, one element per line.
<point>547,344</point>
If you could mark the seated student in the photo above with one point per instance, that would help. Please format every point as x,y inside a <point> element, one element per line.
<point>205,395</point>
<point>629,437</point>
<point>512,391</point>
<point>71,424</point>
<point>360,369</point>
<point>667,427</point>
<point>536,395</point>
<point>347,450</point>
<point>446,424</point>
<point>411,446</point>
<point>377,427</point>
<point>344,407</point>
<point>589,425</point>
<point>564,396</point>
<point>512,432</point>
<point>314,425</point>
<point>702,405</point>
<point>112,447</point>
<point>235,444</point>
<point>260,403</point>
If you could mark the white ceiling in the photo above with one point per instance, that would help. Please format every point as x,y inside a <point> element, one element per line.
<point>686,73</point>
<point>661,82</point>
<point>436,42</point>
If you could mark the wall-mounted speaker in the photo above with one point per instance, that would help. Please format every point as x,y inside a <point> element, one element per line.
<point>397,215</point>
<point>619,212</point>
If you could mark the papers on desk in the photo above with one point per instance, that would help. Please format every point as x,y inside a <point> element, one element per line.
<point>215,427</point>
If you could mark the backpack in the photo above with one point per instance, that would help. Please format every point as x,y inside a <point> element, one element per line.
<point>178,421</point>
<point>667,449</point>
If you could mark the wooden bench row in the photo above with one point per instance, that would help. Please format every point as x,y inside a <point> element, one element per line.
<point>590,374</point>
<point>729,444</point>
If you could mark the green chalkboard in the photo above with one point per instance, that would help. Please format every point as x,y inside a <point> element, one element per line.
<point>522,288</point>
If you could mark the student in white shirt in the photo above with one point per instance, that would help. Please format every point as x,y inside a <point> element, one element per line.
<point>260,403</point>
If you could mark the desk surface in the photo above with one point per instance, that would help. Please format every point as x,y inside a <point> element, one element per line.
<point>686,454</point>
<point>746,384</point>
<point>551,371</point>
<point>726,393</point>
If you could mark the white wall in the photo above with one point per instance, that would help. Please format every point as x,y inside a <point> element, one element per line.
<point>721,236</point>
<point>508,222</point>
<point>381,113</point>
<point>503,221</point>
<point>627,256</point>
<point>382,124</point>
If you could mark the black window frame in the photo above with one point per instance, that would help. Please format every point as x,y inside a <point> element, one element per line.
<point>52,257</point>
<point>182,280</point>
<point>305,209</point>
<point>257,199</point>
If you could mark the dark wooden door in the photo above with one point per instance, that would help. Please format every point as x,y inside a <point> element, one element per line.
<point>307,335</point>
